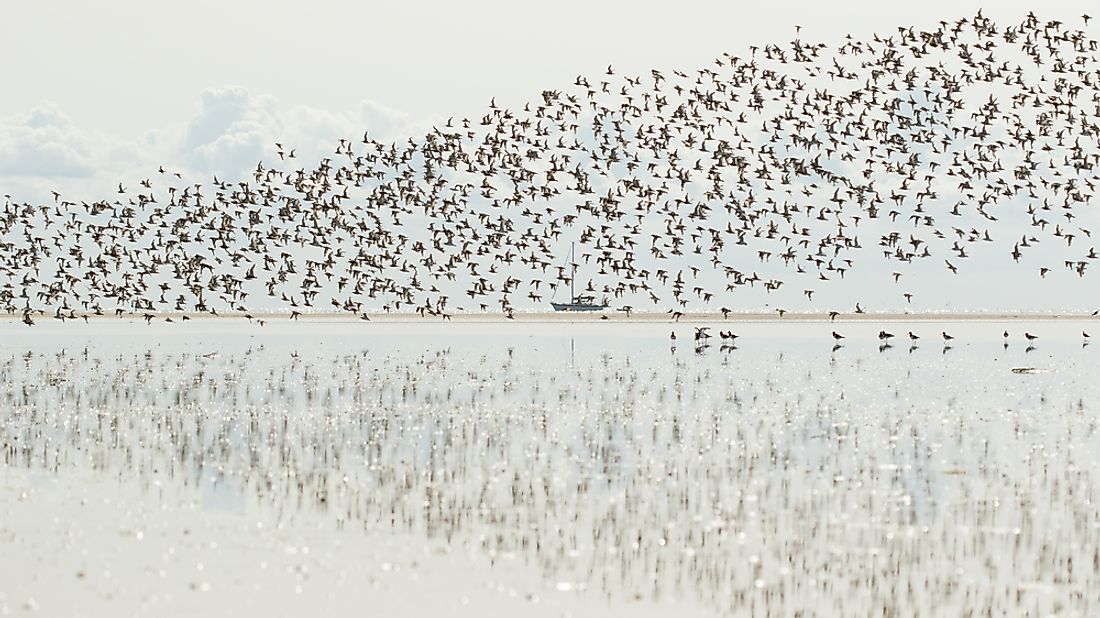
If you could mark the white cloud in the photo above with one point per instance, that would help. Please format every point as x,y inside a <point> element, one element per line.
<point>230,132</point>
<point>233,130</point>
<point>43,143</point>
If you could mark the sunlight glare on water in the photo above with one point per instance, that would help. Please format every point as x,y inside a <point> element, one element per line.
<point>583,468</point>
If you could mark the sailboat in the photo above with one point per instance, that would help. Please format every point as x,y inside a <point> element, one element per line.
<point>583,302</point>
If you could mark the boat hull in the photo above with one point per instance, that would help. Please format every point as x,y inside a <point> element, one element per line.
<point>577,307</point>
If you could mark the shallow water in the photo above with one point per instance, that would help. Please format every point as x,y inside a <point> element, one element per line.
<point>551,469</point>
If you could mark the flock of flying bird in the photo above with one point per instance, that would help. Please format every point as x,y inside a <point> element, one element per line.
<point>781,166</point>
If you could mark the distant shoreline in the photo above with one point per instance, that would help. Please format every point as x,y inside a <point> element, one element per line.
<point>592,317</point>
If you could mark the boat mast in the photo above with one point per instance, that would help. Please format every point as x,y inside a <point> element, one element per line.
<point>573,278</point>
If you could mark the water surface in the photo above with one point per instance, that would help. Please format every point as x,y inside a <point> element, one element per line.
<point>582,469</point>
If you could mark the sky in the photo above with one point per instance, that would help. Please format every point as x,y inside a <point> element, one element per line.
<point>113,86</point>
<point>97,93</point>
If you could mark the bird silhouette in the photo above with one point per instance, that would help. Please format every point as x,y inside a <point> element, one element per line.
<point>769,171</point>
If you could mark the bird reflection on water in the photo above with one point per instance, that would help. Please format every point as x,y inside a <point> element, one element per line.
<point>770,477</point>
